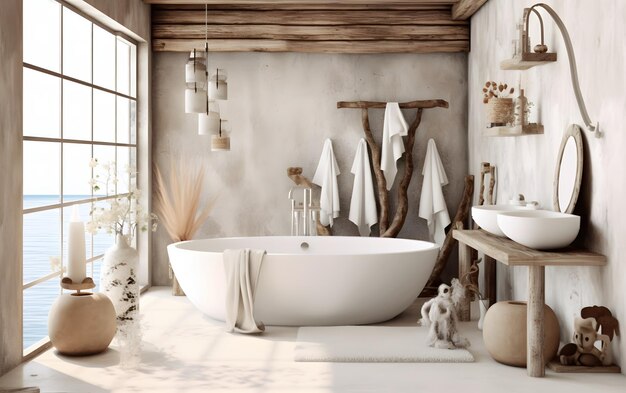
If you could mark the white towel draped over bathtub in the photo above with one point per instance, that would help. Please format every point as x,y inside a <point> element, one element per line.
<point>394,128</point>
<point>432,203</point>
<point>242,268</point>
<point>326,177</point>
<point>363,203</point>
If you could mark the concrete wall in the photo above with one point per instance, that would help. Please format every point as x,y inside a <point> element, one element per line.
<point>281,108</point>
<point>526,164</point>
<point>10,184</point>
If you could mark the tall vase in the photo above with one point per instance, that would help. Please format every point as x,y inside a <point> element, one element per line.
<point>118,280</point>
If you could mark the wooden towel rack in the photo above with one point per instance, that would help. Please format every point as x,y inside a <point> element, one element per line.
<point>393,229</point>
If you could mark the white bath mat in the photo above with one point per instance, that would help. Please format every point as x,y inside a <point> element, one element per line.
<point>372,344</point>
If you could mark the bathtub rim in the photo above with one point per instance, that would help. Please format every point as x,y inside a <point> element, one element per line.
<point>429,245</point>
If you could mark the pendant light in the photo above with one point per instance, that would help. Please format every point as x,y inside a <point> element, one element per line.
<point>196,81</point>
<point>218,87</point>
<point>209,121</point>
<point>221,141</point>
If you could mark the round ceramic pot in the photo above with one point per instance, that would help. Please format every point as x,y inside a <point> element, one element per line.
<point>504,333</point>
<point>500,112</point>
<point>81,323</point>
<point>118,280</point>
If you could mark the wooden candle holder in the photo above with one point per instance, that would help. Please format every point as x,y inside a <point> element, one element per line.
<point>87,283</point>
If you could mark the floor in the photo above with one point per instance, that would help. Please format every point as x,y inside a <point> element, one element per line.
<point>183,351</point>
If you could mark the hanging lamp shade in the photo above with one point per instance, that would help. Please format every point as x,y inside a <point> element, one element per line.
<point>221,140</point>
<point>196,69</point>
<point>218,86</point>
<point>195,100</point>
<point>209,120</point>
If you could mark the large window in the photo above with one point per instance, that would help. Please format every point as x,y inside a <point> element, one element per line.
<point>79,103</point>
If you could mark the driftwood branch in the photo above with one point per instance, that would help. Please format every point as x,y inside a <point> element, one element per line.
<point>419,104</point>
<point>461,216</point>
<point>381,181</point>
<point>393,229</point>
<point>403,199</point>
<point>295,174</point>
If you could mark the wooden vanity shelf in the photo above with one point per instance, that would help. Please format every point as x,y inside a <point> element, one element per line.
<point>527,60</point>
<point>529,129</point>
<point>511,253</point>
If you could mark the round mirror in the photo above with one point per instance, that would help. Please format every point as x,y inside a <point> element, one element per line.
<point>569,170</point>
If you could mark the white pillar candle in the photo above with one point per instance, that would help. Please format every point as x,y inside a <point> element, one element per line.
<point>76,263</point>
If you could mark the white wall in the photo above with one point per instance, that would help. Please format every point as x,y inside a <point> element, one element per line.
<point>526,164</point>
<point>281,108</point>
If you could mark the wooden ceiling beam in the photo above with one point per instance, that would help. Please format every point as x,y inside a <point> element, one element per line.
<point>305,7</point>
<point>312,33</point>
<point>306,17</point>
<point>278,3</point>
<point>247,45</point>
<point>464,9</point>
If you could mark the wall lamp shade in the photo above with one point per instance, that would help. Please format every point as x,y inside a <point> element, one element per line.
<point>195,100</point>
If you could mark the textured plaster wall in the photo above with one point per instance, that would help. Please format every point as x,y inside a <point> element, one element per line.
<point>281,107</point>
<point>526,164</point>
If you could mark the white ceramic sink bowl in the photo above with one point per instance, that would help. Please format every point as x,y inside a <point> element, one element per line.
<point>487,216</point>
<point>540,229</point>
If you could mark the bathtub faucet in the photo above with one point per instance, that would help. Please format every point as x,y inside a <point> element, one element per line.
<point>302,212</point>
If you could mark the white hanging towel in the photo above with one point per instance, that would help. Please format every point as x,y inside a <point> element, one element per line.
<point>363,204</point>
<point>394,128</point>
<point>242,268</point>
<point>432,204</point>
<point>326,177</point>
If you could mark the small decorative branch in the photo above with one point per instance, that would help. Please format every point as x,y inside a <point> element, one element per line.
<point>461,216</point>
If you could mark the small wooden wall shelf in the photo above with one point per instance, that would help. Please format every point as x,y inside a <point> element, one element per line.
<point>525,61</point>
<point>529,129</point>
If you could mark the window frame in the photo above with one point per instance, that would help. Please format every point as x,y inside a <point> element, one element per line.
<point>43,344</point>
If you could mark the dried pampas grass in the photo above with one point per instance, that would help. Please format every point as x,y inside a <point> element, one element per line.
<point>178,205</point>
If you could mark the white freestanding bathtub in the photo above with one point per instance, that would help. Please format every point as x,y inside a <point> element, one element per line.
<point>311,281</point>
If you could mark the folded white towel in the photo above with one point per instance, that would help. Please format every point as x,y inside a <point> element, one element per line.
<point>432,203</point>
<point>394,128</point>
<point>363,204</point>
<point>242,268</point>
<point>326,177</point>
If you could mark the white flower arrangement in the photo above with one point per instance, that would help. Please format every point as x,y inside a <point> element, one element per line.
<point>124,214</point>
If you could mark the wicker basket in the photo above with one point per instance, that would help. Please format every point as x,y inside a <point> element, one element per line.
<point>500,112</point>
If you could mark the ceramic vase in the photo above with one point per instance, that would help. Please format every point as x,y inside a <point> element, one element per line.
<point>118,280</point>
<point>81,323</point>
<point>504,333</point>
